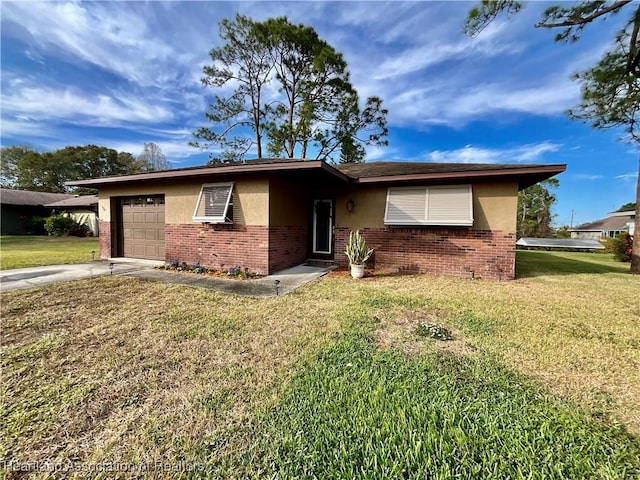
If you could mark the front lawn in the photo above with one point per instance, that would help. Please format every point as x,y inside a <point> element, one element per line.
<point>540,380</point>
<point>19,251</point>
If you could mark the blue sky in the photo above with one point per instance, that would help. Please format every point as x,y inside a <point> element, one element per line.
<point>120,74</point>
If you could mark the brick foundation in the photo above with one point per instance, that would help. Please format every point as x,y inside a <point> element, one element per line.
<point>261,249</point>
<point>219,246</point>
<point>104,233</point>
<point>264,250</point>
<point>457,252</point>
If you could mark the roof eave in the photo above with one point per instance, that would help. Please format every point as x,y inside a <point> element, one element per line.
<point>194,173</point>
<point>545,171</point>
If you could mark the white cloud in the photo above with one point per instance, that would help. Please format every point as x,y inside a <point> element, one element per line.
<point>377,153</point>
<point>112,36</point>
<point>45,103</point>
<point>470,154</point>
<point>628,177</point>
<point>456,103</point>
<point>436,51</point>
<point>587,176</point>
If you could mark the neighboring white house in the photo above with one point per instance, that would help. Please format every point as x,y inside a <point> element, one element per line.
<point>83,209</point>
<point>613,225</point>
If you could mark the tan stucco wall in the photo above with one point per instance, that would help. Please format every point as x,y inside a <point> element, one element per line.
<point>289,205</point>
<point>368,211</point>
<point>280,203</point>
<point>494,207</point>
<point>250,201</point>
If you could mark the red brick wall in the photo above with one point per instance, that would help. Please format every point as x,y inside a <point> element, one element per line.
<point>287,247</point>
<point>264,250</point>
<point>457,252</point>
<point>104,233</point>
<point>219,246</point>
<point>261,249</point>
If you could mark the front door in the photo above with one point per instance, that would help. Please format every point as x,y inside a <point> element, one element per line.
<point>323,226</point>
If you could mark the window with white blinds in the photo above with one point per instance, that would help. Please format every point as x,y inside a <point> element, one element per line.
<point>438,205</point>
<point>215,204</point>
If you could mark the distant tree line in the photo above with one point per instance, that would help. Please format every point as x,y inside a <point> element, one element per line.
<point>25,168</point>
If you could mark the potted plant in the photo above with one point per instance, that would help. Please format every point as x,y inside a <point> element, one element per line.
<point>358,253</point>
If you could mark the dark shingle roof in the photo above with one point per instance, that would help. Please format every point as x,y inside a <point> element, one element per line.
<point>375,172</point>
<point>612,223</point>
<point>27,197</point>
<point>384,169</point>
<point>78,201</point>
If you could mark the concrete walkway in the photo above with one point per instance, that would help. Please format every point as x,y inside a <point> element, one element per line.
<point>286,281</point>
<point>279,283</point>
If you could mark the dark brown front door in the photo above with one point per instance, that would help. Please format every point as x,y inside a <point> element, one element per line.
<point>143,227</point>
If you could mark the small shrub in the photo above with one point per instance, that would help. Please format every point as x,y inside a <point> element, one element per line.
<point>621,247</point>
<point>80,230</point>
<point>33,225</point>
<point>435,331</point>
<point>59,225</point>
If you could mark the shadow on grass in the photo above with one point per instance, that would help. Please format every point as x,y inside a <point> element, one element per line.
<point>531,263</point>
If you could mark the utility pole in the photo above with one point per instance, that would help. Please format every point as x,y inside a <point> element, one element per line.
<point>572,214</point>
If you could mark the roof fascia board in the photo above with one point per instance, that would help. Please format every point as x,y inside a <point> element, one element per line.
<point>194,173</point>
<point>554,169</point>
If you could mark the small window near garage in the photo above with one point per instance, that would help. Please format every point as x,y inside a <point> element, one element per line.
<point>436,206</point>
<point>215,204</point>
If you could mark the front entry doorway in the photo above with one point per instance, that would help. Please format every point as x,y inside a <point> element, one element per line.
<point>322,234</point>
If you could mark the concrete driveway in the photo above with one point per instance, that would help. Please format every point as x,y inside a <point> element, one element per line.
<point>37,276</point>
<point>276,284</point>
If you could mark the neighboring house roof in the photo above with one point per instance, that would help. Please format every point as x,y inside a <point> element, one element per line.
<point>612,223</point>
<point>76,201</point>
<point>26,197</point>
<point>375,172</point>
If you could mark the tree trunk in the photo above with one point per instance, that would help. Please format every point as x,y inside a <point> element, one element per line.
<point>635,255</point>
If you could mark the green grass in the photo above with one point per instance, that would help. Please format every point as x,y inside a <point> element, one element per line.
<point>531,263</point>
<point>19,251</point>
<point>358,412</point>
<point>539,381</point>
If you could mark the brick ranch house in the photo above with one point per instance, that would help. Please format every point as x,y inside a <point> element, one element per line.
<point>271,214</point>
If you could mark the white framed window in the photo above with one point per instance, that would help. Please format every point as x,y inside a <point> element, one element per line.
<point>215,203</point>
<point>438,205</point>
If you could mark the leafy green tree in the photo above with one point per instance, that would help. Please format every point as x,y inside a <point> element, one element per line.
<point>627,206</point>
<point>534,209</point>
<point>43,172</point>
<point>611,88</point>
<point>315,109</point>
<point>562,232</point>
<point>9,158</point>
<point>48,171</point>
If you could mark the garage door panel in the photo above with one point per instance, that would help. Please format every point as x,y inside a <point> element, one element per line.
<point>151,217</point>
<point>143,227</point>
<point>151,235</point>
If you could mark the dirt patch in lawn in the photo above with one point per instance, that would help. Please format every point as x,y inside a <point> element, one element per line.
<point>398,331</point>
